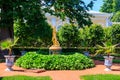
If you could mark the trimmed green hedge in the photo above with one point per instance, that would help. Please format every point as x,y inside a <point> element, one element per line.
<point>45,51</point>
<point>32,60</point>
<point>66,51</point>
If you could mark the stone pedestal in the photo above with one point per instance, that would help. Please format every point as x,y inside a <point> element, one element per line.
<point>55,49</point>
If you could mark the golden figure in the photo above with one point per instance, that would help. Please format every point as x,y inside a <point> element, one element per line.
<point>54,38</point>
<point>55,48</point>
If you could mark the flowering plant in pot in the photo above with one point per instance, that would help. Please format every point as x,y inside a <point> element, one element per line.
<point>107,48</point>
<point>8,45</point>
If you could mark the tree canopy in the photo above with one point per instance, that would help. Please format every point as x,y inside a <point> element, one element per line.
<point>28,11</point>
<point>76,10</point>
<point>116,17</point>
<point>110,6</point>
<point>107,6</point>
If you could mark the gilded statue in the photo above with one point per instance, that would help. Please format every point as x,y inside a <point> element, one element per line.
<point>54,38</point>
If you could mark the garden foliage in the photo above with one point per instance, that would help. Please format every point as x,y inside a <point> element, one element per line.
<point>84,36</point>
<point>115,33</point>
<point>68,35</point>
<point>22,77</point>
<point>90,36</point>
<point>31,26</point>
<point>32,60</point>
<point>29,11</point>
<point>97,34</point>
<point>116,17</point>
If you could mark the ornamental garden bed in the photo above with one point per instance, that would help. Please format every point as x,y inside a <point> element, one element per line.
<point>34,60</point>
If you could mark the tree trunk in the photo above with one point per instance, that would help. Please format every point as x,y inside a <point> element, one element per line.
<point>5,33</point>
<point>6,23</point>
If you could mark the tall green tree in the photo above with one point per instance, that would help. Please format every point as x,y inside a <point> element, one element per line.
<point>110,6</point>
<point>6,21</point>
<point>116,5</point>
<point>107,6</point>
<point>76,10</point>
<point>25,10</point>
<point>116,17</point>
<point>30,25</point>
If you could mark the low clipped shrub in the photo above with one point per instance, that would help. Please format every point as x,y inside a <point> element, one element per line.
<point>32,60</point>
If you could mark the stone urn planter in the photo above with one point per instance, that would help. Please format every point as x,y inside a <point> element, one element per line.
<point>108,62</point>
<point>107,49</point>
<point>9,61</point>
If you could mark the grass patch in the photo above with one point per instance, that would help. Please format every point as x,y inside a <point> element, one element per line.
<point>101,77</point>
<point>20,77</point>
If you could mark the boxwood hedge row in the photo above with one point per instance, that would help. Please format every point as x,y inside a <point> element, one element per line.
<point>32,60</point>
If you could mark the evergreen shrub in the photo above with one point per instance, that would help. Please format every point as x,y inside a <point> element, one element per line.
<point>32,60</point>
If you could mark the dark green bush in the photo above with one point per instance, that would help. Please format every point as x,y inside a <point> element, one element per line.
<point>43,50</point>
<point>54,62</point>
<point>116,17</point>
<point>90,36</point>
<point>115,33</point>
<point>96,34</point>
<point>68,35</point>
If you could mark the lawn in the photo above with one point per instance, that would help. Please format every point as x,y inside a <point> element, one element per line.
<point>101,77</point>
<point>20,77</point>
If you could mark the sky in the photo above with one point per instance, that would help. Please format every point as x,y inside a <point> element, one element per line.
<point>97,4</point>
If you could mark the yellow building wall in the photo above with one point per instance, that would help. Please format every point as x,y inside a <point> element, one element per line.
<point>101,22</point>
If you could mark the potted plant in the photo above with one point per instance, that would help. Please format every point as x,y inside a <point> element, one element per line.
<point>106,49</point>
<point>9,59</point>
